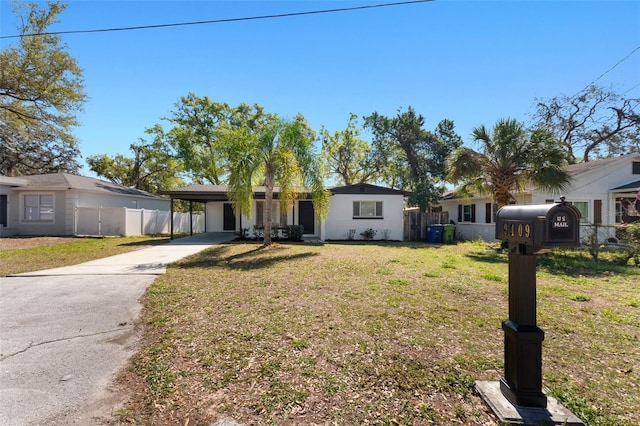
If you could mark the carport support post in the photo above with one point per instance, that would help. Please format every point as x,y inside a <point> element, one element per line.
<point>171,221</point>
<point>522,381</point>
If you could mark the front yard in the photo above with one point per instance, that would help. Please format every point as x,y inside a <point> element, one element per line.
<point>358,333</point>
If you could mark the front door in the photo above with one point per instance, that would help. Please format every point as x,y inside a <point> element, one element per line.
<point>306,217</point>
<point>229,219</point>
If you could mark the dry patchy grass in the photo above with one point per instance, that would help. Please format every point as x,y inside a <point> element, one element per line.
<point>371,334</point>
<point>26,254</point>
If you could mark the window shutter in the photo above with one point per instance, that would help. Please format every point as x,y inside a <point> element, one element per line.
<point>597,211</point>
<point>356,208</point>
<point>459,212</point>
<point>473,213</point>
<point>487,212</point>
<point>379,209</point>
<point>260,213</point>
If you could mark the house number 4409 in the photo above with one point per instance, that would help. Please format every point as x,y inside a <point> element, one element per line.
<point>517,230</point>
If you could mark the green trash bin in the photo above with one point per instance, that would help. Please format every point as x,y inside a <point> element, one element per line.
<point>449,234</point>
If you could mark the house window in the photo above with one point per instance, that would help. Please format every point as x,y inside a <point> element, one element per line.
<point>367,209</point>
<point>274,213</point>
<point>38,208</point>
<point>467,213</point>
<point>583,208</point>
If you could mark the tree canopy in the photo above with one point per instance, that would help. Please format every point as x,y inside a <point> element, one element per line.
<point>412,158</point>
<point>348,156</point>
<point>198,134</point>
<point>152,167</point>
<point>596,123</point>
<point>510,158</point>
<point>41,90</point>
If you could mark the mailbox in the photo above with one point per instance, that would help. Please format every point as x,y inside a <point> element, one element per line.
<point>539,225</point>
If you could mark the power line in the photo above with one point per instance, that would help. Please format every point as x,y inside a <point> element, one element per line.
<point>219,21</point>
<point>608,71</point>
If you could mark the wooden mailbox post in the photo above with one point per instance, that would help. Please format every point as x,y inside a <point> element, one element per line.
<point>529,229</point>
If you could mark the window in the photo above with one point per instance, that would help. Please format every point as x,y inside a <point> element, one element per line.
<point>466,213</point>
<point>583,208</point>
<point>38,208</point>
<point>274,214</point>
<point>367,209</point>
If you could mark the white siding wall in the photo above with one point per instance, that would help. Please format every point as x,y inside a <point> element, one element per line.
<point>340,219</point>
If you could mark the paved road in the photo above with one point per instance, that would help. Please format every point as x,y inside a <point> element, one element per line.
<point>65,333</point>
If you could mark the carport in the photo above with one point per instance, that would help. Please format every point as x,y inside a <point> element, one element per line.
<point>196,194</point>
<point>218,193</point>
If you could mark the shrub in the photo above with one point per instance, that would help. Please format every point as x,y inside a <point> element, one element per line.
<point>630,235</point>
<point>293,232</point>
<point>369,233</point>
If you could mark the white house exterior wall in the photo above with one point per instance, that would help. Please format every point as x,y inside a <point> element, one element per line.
<point>340,219</point>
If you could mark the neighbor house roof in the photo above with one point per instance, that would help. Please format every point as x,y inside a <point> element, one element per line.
<point>575,170</point>
<point>579,168</point>
<point>67,181</point>
<point>12,181</point>
<point>633,186</point>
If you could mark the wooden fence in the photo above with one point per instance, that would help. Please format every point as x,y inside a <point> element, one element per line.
<point>415,223</point>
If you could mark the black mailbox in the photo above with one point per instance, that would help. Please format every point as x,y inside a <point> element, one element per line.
<point>539,225</point>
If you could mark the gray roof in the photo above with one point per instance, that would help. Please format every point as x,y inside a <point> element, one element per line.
<point>67,181</point>
<point>575,169</point>
<point>365,188</point>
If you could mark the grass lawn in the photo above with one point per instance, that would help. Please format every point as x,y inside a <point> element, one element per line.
<point>349,333</point>
<point>76,250</point>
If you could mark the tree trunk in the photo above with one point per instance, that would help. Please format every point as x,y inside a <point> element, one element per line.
<point>268,203</point>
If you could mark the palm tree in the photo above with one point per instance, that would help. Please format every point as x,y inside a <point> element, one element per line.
<point>511,157</point>
<point>279,153</point>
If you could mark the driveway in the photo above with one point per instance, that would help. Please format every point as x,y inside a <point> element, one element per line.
<point>66,332</point>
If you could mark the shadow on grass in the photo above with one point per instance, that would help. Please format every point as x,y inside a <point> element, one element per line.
<point>561,262</point>
<point>256,258</point>
<point>488,257</point>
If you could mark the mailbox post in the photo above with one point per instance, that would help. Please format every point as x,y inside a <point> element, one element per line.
<point>529,229</point>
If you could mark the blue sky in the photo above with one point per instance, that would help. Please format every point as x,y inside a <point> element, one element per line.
<point>469,61</point>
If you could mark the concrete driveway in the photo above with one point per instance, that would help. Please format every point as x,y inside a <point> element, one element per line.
<point>66,332</point>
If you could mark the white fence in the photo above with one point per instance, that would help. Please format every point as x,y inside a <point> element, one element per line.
<point>122,221</point>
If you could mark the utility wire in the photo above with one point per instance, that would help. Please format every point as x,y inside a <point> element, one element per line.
<point>608,71</point>
<point>218,21</point>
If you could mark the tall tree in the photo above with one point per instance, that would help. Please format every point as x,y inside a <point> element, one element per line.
<point>596,123</point>
<point>41,90</point>
<point>280,153</point>
<point>198,134</point>
<point>413,156</point>
<point>347,155</point>
<point>152,167</point>
<point>510,158</point>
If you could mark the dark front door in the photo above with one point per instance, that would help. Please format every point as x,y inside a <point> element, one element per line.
<point>3,210</point>
<point>306,217</point>
<point>229,220</point>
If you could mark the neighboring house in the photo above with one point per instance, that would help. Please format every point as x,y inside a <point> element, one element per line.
<point>604,191</point>
<point>354,209</point>
<point>48,204</point>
